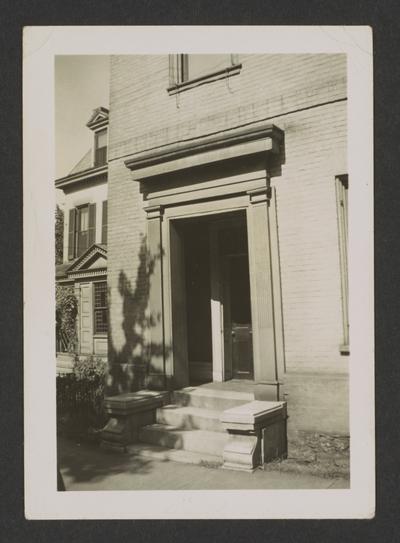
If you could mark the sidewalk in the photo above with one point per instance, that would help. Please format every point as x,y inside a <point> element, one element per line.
<point>87,467</point>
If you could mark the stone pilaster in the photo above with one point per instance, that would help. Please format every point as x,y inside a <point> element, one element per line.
<point>267,364</point>
<point>156,376</point>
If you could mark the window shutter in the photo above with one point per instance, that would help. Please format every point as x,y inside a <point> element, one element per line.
<point>104,223</point>
<point>71,233</point>
<point>172,70</point>
<point>92,224</point>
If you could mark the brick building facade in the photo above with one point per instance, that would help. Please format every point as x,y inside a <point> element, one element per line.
<point>252,150</point>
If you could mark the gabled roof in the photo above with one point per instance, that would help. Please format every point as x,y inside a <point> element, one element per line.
<point>98,118</point>
<point>84,164</point>
<point>94,258</point>
<point>91,262</point>
<point>85,168</point>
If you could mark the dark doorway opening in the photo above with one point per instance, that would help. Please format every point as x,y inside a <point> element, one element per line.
<point>215,272</point>
<point>238,345</point>
<point>198,296</point>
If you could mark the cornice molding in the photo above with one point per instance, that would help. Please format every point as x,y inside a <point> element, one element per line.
<point>87,273</point>
<point>213,142</point>
<point>89,174</point>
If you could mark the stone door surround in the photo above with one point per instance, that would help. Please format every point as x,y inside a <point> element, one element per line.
<point>165,203</point>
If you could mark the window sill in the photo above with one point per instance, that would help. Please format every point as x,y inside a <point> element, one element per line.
<point>215,76</point>
<point>344,350</point>
<point>100,335</point>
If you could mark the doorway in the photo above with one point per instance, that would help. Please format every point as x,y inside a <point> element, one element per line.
<point>214,281</point>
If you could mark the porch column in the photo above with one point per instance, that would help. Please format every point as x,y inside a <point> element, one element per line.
<point>156,377</point>
<point>266,363</point>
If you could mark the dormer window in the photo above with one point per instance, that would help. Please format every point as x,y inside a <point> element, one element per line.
<point>100,148</point>
<point>98,124</point>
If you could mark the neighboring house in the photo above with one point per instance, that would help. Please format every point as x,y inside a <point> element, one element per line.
<point>84,264</point>
<point>227,228</point>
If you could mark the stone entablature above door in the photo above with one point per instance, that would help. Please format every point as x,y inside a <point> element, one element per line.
<point>230,144</point>
<point>216,175</point>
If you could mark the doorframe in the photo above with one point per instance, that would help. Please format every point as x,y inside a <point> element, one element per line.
<point>176,213</point>
<point>266,308</point>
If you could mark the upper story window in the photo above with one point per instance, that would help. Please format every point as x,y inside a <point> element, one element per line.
<point>81,229</point>
<point>100,148</point>
<point>188,71</point>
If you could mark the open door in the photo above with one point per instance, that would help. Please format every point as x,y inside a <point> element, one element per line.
<point>237,317</point>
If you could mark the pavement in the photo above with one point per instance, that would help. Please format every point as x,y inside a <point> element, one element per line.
<point>87,467</point>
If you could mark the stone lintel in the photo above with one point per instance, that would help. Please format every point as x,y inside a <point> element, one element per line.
<point>232,143</point>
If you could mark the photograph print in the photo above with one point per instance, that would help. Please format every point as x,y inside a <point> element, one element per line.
<point>208,271</point>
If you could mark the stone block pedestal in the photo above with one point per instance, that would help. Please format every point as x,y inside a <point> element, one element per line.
<point>257,434</point>
<point>128,414</point>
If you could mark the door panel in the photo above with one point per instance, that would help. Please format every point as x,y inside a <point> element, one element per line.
<point>237,313</point>
<point>242,351</point>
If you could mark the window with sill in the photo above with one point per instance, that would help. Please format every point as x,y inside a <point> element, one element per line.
<point>187,71</point>
<point>100,319</point>
<point>342,185</point>
<point>100,148</point>
<point>81,229</point>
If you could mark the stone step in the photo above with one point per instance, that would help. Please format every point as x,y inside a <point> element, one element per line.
<point>200,441</point>
<point>190,418</point>
<point>209,398</point>
<point>155,452</point>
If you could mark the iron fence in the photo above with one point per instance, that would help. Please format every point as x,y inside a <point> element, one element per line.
<point>80,403</point>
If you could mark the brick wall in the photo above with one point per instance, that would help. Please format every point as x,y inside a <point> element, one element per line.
<point>143,115</point>
<point>315,148</point>
<point>305,95</point>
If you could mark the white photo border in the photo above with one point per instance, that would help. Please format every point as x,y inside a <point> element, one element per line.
<point>42,501</point>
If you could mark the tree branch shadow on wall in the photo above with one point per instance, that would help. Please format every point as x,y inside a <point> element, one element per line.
<point>128,370</point>
<point>129,365</point>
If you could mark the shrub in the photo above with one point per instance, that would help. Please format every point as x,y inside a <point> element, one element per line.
<point>80,397</point>
<point>90,369</point>
<point>66,312</point>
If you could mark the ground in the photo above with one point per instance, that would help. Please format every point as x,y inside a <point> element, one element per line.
<point>84,466</point>
<point>318,454</point>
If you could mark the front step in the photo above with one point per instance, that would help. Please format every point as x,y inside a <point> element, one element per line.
<point>190,427</point>
<point>209,398</point>
<point>154,452</point>
<point>190,418</point>
<point>199,441</point>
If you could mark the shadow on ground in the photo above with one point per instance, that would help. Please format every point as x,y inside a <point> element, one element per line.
<point>89,463</point>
